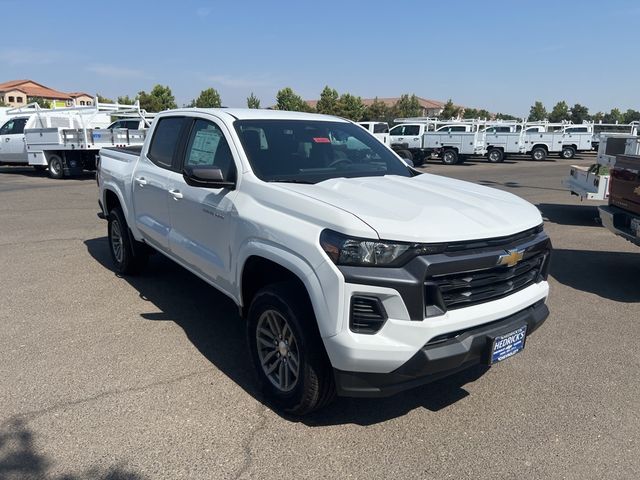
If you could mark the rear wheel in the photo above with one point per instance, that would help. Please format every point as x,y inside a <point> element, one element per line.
<point>450,157</point>
<point>128,255</point>
<point>56,167</point>
<point>495,155</point>
<point>567,153</point>
<point>538,154</point>
<point>287,352</point>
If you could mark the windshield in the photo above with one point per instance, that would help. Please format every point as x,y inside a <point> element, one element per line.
<point>308,151</point>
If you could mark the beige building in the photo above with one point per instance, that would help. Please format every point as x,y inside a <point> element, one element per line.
<point>81,98</point>
<point>17,93</point>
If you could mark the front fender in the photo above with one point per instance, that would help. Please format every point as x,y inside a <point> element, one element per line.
<point>326,294</point>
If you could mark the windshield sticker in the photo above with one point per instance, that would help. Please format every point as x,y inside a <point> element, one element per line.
<point>321,140</point>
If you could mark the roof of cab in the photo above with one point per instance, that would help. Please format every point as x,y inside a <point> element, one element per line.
<point>260,114</point>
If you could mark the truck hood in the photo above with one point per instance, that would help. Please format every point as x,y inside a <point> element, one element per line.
<point>425,208</point>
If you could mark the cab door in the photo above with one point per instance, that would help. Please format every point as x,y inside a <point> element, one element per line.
<point>156,172</point>
<point>203,219</point>
<point>13,148</point>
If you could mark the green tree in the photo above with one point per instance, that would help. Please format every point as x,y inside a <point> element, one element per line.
<point>470,113</point>
<point>42,103</point>
<point>450,110</point>
<point>560,112</point>
<point>631,116</point>
<point>614,116</point>
<point>579,113</point>
<point>328,103</point>
<point>378,110</point>
<point>160,98</point>
<point>2,104</point>
<point>208,98</point>
<point>505,116</point>
<point>102,99</point>
<point>407,106</point>
<point>126,100</point>
<point>350,106</point>
<point>483,113</point>
<point>287,99</point>
<point>597,117</point>
<point>253,101</point>
<point>537,112</point>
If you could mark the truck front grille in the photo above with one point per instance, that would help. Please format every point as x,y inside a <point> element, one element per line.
<point>470,288</point>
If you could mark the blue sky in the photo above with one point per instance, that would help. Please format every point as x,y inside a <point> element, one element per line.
<point>500,55</point>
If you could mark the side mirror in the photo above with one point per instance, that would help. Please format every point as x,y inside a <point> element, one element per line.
<point>206,177</point>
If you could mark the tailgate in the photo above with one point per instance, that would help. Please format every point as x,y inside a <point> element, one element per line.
<point>625,183</point>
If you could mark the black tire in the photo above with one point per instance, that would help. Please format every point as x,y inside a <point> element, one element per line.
<point>568,153</point>
<point>314,386</point>
<point>128,255</point>
<point>406,154</point>
<point>56,167</point>
<point>495,155</point>
<point>39,168</point>
<point>538,154</point>
<point>450,157</point>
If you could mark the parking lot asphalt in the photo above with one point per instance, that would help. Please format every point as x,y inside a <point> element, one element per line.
<point>148,377</point>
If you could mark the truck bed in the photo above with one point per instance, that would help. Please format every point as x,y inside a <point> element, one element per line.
<point>132,149</point>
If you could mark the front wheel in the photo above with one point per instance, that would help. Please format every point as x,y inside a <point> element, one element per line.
<point>450,157</point>
<point>568,153</point>
<point>406,154</point>
<point>287,352</point>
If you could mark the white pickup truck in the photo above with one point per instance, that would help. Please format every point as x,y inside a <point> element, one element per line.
<point>356,274</point>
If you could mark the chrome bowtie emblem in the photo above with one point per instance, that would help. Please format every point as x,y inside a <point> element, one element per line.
<point>511,258</point>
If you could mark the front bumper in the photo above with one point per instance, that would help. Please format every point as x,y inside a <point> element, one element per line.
<point>439,359</point>
<point>619,221</point>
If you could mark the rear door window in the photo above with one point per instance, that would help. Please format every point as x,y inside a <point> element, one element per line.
<point>164,143</point>
<point>412,129</point>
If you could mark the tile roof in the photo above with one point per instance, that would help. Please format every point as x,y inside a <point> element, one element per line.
<point>34,90</point>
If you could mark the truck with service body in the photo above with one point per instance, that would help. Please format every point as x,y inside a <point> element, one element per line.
<point>355,274</point>
<point>380,130</point>
<point>622,214</point>
<point>593,182</point>
<point>66,140</point>
<point>450,141</point>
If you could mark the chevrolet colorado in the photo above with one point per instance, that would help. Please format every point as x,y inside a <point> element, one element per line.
<point>356,274</point>
<point>622,215</point>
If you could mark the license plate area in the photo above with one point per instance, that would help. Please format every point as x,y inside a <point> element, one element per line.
<point>507,345</point>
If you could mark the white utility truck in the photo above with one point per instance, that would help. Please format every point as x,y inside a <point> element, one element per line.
<point>592,183</point>
<point>66,140</point>
<point>451,141</point>
<point>380,130</point>
<point>355,273</point>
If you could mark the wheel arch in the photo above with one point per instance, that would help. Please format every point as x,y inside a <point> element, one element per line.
<point>263,264</point>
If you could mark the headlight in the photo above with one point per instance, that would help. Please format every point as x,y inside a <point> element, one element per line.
<point>344,250</point>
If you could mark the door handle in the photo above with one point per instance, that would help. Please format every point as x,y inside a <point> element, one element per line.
<point>141,181</point>
<point>7,139</point>
<point>175,194</point>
